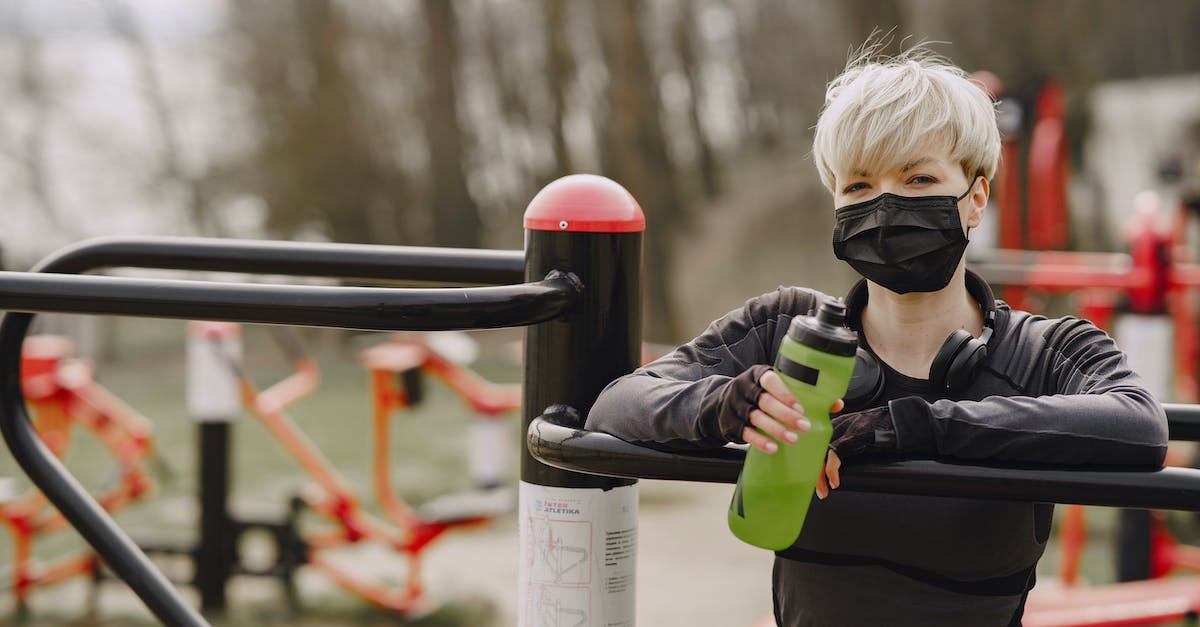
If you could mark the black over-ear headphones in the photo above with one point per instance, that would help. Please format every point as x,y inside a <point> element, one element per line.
<point>953,367</point>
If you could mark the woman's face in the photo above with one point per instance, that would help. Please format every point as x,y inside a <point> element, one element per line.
<point>929,173</point>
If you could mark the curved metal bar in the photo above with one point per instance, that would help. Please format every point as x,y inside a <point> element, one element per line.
<point>598,453</point>
<point>359,261</point>
<point>346,307</point>
<point>76,505</point>
<point>556,293</point>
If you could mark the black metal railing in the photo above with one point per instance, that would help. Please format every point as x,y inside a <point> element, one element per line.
<point>351,307</point>
<point>556,439</point>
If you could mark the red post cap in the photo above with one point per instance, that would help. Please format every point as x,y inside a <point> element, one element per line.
<point>584,203</point>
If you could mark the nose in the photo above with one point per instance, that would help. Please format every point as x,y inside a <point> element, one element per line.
<point>890,185</point>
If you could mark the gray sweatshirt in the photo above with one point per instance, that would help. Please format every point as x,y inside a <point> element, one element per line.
<point>1050,390</point>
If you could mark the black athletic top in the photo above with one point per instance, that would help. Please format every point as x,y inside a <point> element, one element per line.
<point>1050,390</point>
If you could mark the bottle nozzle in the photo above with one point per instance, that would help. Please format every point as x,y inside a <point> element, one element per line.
<point>832,311</point>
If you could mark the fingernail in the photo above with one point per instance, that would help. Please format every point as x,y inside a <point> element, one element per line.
<point>790,436</point>
<point>836,483</point>
<point>798,407</point>
<point>772,447</point>
<point>803,424</point>
<point>820,495</point>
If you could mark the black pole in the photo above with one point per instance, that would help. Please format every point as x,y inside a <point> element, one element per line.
<point>589,227</point>
<point>215,551</point>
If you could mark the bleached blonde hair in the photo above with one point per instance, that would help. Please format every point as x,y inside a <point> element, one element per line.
<point>882,110</point>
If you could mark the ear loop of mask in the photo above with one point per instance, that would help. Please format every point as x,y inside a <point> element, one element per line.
<point>964,195</point>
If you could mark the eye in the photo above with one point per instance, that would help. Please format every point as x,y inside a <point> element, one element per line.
<point>855,187</point>
<point>922,179</point>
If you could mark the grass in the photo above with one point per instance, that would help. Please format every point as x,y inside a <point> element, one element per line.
<point>147,371</point>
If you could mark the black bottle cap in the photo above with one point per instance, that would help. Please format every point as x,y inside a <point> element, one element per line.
<point>826,331</point>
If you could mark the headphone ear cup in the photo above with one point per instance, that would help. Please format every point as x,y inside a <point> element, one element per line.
<point>940,369</point>
<point>866,383</point>
<point>965,364</point>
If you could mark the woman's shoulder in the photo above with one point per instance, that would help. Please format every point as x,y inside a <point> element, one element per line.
<point>1029,330</point>
<point>788,300</point>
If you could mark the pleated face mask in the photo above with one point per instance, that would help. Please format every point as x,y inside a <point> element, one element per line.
<point>904,243</point>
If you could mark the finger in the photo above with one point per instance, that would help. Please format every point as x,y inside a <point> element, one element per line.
<point>773,384</point>
<point>785,414</point>
<point>771,426</point>
<point>833,467</point>
<point>822,488</point>
<point>755,438</point>
<point>838,406</point>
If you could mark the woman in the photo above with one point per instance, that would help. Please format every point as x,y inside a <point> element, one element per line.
<point>907,146</point>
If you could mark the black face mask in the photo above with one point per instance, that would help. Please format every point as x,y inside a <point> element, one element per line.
<point>904,243</point>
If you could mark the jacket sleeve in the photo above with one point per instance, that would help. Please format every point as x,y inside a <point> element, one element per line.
<point>675,401</point>
<point>1089,408</point>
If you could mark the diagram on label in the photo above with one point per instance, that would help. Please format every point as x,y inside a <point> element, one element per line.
<point>562,551</point>
<point>560,607</point>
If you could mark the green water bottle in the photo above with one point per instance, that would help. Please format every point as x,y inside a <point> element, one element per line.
<point>773,492</point>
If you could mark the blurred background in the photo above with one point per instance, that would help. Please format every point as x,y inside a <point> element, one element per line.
<point>435,122</point>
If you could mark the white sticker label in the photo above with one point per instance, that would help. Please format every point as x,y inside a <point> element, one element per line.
<point>578,556</point>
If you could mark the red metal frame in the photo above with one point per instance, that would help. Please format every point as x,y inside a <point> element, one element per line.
<point>63,396</point>
<point>408,532</point>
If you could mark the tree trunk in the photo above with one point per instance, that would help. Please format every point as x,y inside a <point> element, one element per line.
<point>637,155</point>
<point>559,69</point>
<point>456,219</point>
<point>687,47</point>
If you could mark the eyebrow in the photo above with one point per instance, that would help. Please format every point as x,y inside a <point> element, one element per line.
<point>916,162</point>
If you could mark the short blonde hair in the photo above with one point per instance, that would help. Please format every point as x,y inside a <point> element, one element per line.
<point>882,110</point>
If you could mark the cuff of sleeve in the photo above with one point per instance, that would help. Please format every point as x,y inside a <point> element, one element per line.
<point>914,431</point>
<point>726,410</point>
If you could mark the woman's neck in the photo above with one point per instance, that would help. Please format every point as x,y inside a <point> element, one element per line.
<point>907,330</point>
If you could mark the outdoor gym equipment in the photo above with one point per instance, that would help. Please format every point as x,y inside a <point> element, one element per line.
<point>583,309</point>
<point>64,396</point>
<point>410,529</point>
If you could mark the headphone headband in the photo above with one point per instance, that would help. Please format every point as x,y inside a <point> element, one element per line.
<point>953,367</point>
<point>856,301</point>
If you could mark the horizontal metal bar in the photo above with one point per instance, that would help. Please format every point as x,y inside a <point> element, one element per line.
<point>357,261</point>
<point>1183,421</point>
<point>177,299</point>
<point>322,306</point>
<point>598,453</point>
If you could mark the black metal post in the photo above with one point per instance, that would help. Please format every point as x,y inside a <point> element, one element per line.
<point>591,228</point>
<point>215,550</point>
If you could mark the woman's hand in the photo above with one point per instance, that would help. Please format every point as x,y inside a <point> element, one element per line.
<point>778,417</point>
<point>870,431</point>
<point>831,478</point>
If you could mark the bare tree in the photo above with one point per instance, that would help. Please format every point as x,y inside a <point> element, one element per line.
<point>560,67</point>
<point>455,216</point>
<point>688,48</point>
<point>636,154</point>
<point>318,163</point>
<point>32,154</point>
<point>172,170</point>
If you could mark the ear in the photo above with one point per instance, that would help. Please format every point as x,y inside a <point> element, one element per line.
<point>977,201</point>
